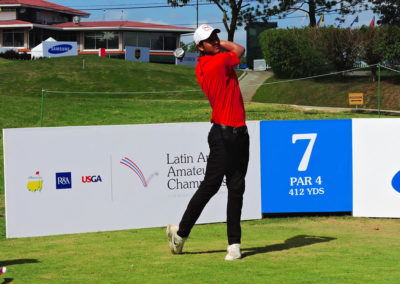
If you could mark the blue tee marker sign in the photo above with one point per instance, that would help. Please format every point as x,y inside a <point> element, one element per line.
<point>306,166</point>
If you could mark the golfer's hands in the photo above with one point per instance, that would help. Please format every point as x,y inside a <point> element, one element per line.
<point>232,46</point>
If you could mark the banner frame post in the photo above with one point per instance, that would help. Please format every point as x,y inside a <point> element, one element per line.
<point>379,90</point>
<point>41,108</point>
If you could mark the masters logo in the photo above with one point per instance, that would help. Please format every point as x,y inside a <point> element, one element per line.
<point>35,182</point>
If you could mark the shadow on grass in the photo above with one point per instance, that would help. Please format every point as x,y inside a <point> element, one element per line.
<point>15,262</point>
<point>294,242</point>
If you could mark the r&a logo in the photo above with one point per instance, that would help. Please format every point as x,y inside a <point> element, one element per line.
<point>63,180</point>
<point>89,179</point>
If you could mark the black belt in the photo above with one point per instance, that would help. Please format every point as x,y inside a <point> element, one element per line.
<point>234,130</point>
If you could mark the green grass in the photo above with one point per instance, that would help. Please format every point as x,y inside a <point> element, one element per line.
<point>278,250</point>
<point>333,91</point>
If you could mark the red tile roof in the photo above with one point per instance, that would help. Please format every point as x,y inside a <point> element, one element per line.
<point>124,24</point>
<point>43,4</point>
<point>14,22</point>
<point>128,25</point>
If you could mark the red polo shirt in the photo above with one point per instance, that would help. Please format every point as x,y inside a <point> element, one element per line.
<point>219,82</point>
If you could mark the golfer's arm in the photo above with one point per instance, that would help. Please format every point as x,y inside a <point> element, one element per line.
<point>232,46</point>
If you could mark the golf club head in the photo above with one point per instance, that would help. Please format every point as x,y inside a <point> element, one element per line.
<point>179,53</point>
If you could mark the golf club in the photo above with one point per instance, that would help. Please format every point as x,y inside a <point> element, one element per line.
<point>180,52</point>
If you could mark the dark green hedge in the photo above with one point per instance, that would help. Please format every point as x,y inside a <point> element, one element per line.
<point>294,53</point>
<point>11,54</point>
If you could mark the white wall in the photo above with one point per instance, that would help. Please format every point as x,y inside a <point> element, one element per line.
<point>8,16</point>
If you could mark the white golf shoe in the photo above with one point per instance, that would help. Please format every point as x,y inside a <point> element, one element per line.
<point>175,242</point>
<point>233,252</point>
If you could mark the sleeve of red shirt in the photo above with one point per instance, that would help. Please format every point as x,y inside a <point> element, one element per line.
<point>231,58</point>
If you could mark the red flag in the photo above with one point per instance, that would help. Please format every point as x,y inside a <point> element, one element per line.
<point>372,24</point>
<point>102,52</point>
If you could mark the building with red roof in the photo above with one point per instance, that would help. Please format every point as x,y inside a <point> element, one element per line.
<point>26,23</point>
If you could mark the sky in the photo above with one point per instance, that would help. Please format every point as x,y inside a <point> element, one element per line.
<point>186,16</point>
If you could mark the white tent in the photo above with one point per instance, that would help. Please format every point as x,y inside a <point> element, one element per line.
<point>37,51</point>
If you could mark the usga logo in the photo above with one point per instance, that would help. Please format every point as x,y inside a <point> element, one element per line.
<point>63,180</point>
<point>89,179</point>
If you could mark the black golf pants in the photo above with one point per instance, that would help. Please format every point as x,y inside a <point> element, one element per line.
<point>229,157</point>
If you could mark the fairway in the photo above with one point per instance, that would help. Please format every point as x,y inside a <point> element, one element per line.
<point>275,250</point>
<point>335,249</point>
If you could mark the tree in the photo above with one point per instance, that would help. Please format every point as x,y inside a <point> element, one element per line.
<point>234,12</point>
<point>342,47</point>
<point>293,53</point>
<point>189,48</point>
<point>373,47</point>
<point>389,11</point>
<point>315,7</point>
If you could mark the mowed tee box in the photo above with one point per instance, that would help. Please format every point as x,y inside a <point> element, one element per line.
<point>63,180</point>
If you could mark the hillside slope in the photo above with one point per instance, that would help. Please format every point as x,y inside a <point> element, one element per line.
<point>90,73</point>
<point>333,91</point>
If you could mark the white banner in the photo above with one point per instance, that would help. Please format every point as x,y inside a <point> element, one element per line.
<point>85,179</point>
<point>190,59</point>
<point>59,48</point>
<point>376,166</point>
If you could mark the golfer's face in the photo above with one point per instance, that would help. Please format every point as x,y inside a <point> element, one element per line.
<point>211,45</point>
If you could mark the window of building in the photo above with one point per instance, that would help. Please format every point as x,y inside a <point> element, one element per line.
<point>157,41</point>
<point>36,36</point>
<point>131,39</point>
<point>13,38</point>
<point>154,41</point>
<point>144,39</point>
<point>96,40</point>
<point>67,36</point>
<point>170,41</point>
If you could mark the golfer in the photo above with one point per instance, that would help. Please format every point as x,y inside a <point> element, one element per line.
<point>228,139</point>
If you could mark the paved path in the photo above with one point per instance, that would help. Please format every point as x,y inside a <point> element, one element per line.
<point>250,81</point>
<point>342,109</point>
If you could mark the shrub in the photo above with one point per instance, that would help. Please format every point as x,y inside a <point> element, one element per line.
<point>291,53</point>
<point>308,51</point>
<point>373,47</point>
<point>392,44</point>
<point>11,54</point>
<point>342,47</point>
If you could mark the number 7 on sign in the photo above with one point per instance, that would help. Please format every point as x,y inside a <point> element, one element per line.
<point>307,154</point>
